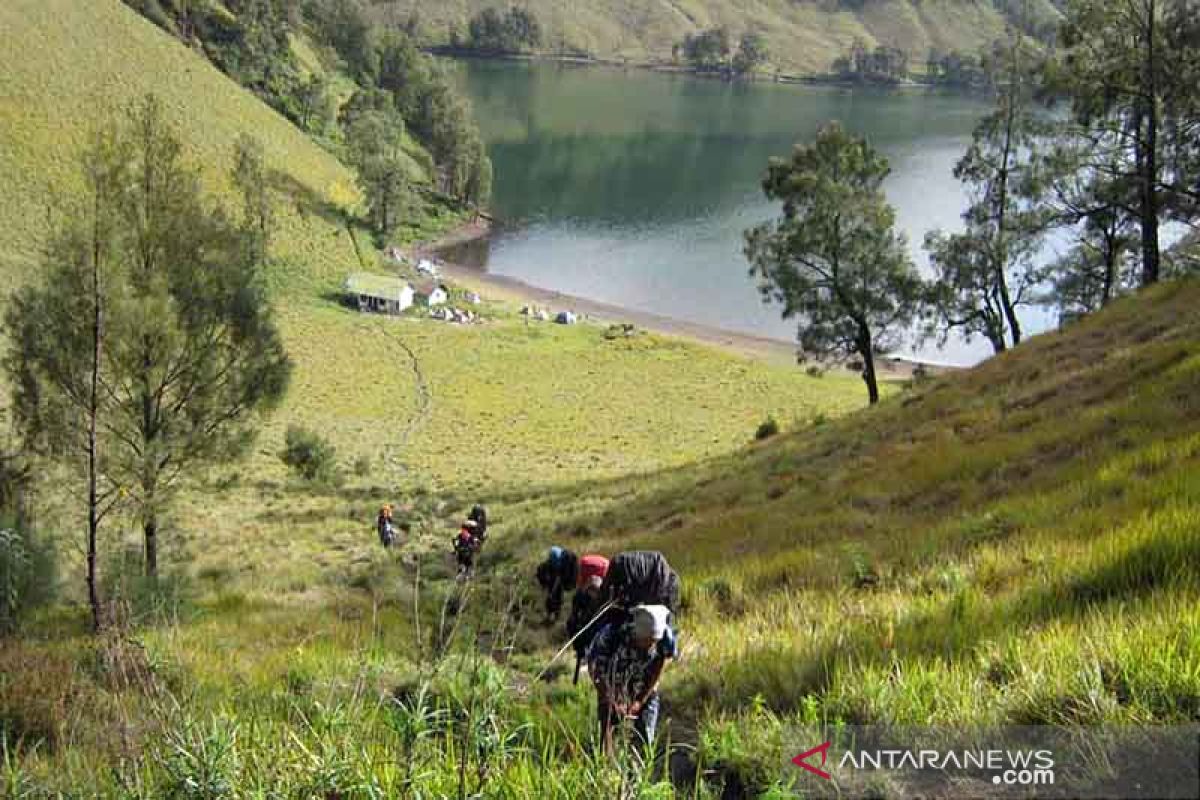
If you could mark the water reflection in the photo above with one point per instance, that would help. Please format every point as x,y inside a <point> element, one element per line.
<point>634,188</point>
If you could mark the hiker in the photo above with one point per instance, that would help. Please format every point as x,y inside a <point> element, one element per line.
<point>626,662</point>
<point>385,527</point>
<point>642,577</point>
<point>478,515</point>
<point>554,575</point>
<point>466,545</point>
<point>472,527</point>
<point>587,602</point>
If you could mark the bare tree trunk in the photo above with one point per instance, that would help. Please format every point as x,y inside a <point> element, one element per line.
<point>1001,254</point>
<point>1110,268</point>
<point>150,536</point>
<point>93,414</point>
<point>149,436</point>
<point>865,349</point>
<point>1149,160</point>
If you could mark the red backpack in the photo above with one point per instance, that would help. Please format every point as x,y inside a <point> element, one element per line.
<point>591,566</point>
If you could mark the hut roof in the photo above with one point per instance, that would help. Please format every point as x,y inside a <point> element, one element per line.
<point>369,284</point>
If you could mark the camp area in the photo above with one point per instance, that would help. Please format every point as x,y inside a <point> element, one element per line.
<point>380,294</point>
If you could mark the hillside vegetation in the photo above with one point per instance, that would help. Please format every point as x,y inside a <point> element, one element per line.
<point>1015,543</point>
<point>801,37</point>
<point>71,67</point>
<point>1031,557</point>
<point>1018,543</point>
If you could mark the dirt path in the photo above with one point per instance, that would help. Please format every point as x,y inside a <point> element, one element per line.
<point>424,399</point>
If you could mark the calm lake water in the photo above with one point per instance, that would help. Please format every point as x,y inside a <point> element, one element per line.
<point>634,188</point>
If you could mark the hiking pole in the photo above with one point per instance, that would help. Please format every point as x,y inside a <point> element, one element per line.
<point>578,664</point>
<point>571,641</point>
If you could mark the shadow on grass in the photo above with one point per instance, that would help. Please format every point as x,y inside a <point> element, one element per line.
<point>307,200</point>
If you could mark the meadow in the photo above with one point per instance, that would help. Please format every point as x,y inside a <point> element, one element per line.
<point>1030,558</point>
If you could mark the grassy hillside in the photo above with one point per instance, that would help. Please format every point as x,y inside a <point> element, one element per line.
<point>1019,543</point>
<point>803,37</point>
<point>500,402</point>
<point>1016,543</point>
<point>268,578</point>
<point>69,68</point>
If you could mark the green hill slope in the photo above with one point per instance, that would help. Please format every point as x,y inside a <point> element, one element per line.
<point>69,67</point>
<point>1019,543</point>
<point>488,400</point>
<point>1016,543</point>
<point>803,37</point>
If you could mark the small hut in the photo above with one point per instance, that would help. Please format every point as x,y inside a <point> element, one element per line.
<point>381,294</point>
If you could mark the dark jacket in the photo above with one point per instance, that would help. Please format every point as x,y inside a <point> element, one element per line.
<point>583,609</point>
<point>622,671</point>
<point>557,576</point>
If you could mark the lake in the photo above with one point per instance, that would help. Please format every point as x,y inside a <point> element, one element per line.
<point>634,187</point>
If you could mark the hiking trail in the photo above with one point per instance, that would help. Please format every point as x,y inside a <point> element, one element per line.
<point>424,399</point>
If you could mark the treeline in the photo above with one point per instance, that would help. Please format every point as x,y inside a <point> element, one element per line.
<point>881,65</point>
<point>1110,177</point>
<point>957,70</point>
<point>889,66</point>
<point>490,32</point>
<point>245,39</point>
<point>399,90</point>
<point>712,50</point>
<point>403,89</point>
<point>973,72</point>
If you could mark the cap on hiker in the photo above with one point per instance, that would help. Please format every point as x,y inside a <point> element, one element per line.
<point>556,553</point>
<point>650,622</point>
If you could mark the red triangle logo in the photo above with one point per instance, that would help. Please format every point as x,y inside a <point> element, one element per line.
<point>802,760</point>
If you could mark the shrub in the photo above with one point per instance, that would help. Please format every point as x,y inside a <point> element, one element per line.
<point>309,455</point>
<point>362,466</point>
<point>729,600</point>
<point>200,759</point>
<point>766,429</point>
<point>27,574</point>
<point>134,599</point>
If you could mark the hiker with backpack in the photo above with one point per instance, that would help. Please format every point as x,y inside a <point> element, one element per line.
<point>554,575</point>
<point>478,516</point>
<point>466,545</point>
<point>626,662</point>
<point>586,604</point>
<point>642,577</point>
<point>385,527</point>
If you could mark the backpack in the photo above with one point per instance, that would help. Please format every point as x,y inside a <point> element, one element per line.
<point>561,566</point>
<point>642,577</point>
<point>479,516</point>
<point>590,566</point>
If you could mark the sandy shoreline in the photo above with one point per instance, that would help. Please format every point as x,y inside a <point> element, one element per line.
<point>513,290</point>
